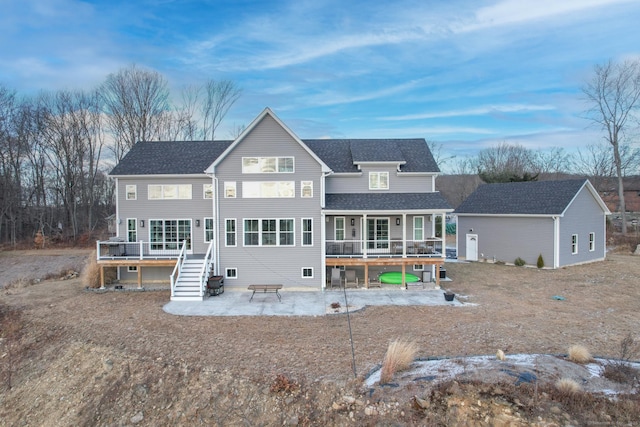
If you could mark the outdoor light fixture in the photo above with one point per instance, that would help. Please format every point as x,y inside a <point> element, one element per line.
<point>142,223</point>
<point>397,221</point>
<point>353,221</point>
<point>197,223</point>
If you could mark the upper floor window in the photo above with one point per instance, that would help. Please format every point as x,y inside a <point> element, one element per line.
<point>169,191</point>
<point>268,189</point>
<point>230,189</point>
<point>418,228</point>
<point>378,180</point>
<point>267,165</point>
<point>306,189</point>
<point>132,192</point>
<point>207,191</point>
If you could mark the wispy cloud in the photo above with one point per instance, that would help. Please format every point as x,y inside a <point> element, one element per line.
<point>477,111</point>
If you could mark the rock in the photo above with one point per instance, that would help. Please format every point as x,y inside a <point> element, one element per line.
<point>139,417</point>
<point>293,421</point>
<point>637,251</point>
<point>370,410</point>
<point>349,400</point>
<point>421,403</point>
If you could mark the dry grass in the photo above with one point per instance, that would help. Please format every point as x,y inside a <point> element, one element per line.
<point>579,354</point>
<point>500,355</point>
<point>568,386</point>
<point>399,356</point>
<point>91,273</point>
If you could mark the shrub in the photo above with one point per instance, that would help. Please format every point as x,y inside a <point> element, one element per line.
<point>519,262</point>
<point>621,370</point>
<point>540,262</point>
<point>568,386</point>
<point>399,356</point>
<point>579,354</point>
<point>283,384</point>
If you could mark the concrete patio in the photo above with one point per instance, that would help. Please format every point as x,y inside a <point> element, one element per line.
<point>305,303</point>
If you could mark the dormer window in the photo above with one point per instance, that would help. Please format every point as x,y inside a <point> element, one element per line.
<point>378,180</point>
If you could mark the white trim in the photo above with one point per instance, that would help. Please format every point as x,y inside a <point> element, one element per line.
<point>302,273</point>
<point>135,191</point>
<point>235,232</point>
<point>592,241</point>
<point>302,232</point>
<point>226,273</point>
<point>260,232</point>
<point>574,245</point>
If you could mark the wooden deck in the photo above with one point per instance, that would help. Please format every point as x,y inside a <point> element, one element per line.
<point>133,262</point>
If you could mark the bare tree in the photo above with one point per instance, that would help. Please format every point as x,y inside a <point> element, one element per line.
<point>553,162</point>
<point>507,163</point>
<point>218,98</point>
<point>614,96</point>
<point>135,102</point>
<point>438,153</point>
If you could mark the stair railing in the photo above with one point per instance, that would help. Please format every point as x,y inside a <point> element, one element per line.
<point>206,269</point>
<point>175,275</point>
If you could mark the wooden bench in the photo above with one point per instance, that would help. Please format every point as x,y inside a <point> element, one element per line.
<point>265,289</point>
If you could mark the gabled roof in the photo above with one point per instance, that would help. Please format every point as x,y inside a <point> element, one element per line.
<point>386,201</point>
<point>343,155</point>
<point>266,112</point>
<point>169,157</point>
<point>526,198</point>
<point>335,155</point>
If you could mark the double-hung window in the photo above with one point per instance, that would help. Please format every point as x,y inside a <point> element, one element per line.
<point>378,180</point>
<point>574,244</point>
<point>307,232</point>
<point>230,232</point>
<point>592,242</point>
<point>132,230</point>
<point>132,192</point>
<point>269,232</point>
<point>208,230</point>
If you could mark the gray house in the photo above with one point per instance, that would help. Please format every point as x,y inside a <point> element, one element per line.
<point>564,221</point>
<point>270,208</point>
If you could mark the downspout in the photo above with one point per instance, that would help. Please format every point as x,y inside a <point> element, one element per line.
<point>323,230</point>
<point>556,242</point>
<point>216,225</point>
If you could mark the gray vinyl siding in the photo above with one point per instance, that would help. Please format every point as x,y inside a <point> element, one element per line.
<point>144,209</point>
<point>273,264</point>
<point>582,217</point>
<point>398,183</point>
<point>506,238</point>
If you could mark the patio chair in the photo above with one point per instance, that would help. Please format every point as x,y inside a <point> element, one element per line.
<point>350,279</point>
<point>335,277</point>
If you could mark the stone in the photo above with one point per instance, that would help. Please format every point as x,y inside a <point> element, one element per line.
<point>137,418</point>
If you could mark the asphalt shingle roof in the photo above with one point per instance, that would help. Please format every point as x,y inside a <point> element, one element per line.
<point>170,157</point>
<point>385,201</point>
<point>526,198</point>
<point>193,157</point>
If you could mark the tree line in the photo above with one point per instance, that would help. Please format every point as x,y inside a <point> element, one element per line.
<point>56,148</point>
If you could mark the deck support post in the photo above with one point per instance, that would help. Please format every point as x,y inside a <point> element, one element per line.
<point>102,277</point>
<point>139,277</point>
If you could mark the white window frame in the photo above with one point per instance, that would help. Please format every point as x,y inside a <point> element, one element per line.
<point>169,191</point>
<point>273,164</point>
<point>208,222</point>
<point>157,246</point>
<point>133,221</point>
<point>227,233</point>
<point>303,270</point>
<point>375,180</point>
<point>132,268</point>
<point>230,190</point>
<point>592,241</point>
<point>207,191</point>
<point>335,228</point>
<point>418,267</point>
<point>574,244</point>
<point>304,232</point>
<point>268,189</point>
<point>306,185</point>
<point>228,273</point>
<point>131,189</point>
<point>416,229</point>
<point>261,233</point>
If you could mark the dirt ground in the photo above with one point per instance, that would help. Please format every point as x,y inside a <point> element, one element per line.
<point>75,357</point>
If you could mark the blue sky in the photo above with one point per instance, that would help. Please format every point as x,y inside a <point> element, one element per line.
<point>467,74</point>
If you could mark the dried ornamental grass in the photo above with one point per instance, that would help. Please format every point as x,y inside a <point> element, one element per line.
<point>91,272</point>
<point>399,356</point>
<point>568,386</point>
<point>579,354</point>
<point>500,355</point>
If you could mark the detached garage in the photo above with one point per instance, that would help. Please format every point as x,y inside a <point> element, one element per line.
<point>564,221</point>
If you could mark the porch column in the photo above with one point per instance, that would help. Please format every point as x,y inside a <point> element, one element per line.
<point>444,235</point>
<point>404,236</point>
<point>366,276</point>
<point>404,270</point>
<point>102,277</point>
<point>364,236</point>
<point>139,276</point>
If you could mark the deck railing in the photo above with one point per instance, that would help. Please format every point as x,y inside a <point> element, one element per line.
<point>113,250</point>
<point>206,269</point>
<point>384,248</point>
<point>175,274</point>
